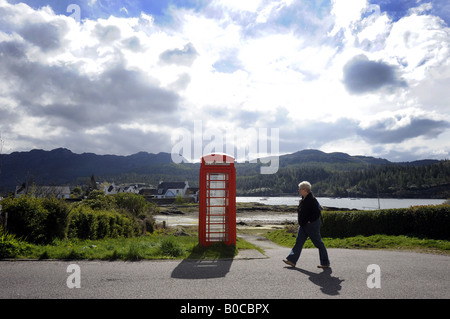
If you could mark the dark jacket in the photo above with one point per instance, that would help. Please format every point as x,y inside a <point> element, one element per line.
<point>308,210</point>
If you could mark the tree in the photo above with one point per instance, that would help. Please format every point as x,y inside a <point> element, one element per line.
<point>134,204</point>
<point>76,192</point>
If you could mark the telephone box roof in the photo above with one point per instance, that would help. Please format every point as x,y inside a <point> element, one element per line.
<point>218,158</point>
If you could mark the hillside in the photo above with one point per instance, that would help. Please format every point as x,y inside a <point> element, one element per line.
<point>332,174</point>
<point>62,167</point>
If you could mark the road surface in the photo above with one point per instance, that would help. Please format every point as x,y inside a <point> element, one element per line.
<point>252,275</point>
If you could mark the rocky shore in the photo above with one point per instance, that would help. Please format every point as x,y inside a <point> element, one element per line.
<point>247,214</point>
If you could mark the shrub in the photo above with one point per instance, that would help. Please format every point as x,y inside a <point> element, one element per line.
<point>98,200</point>
<point>179,199</point>
<point>170,247</point>
<point>134,204</point>
<point>86,223</point>
<point>10,246</point>
<point>26,218</point>
<point>56,222</point>
<point>37,220</point>
<point>422,221</point>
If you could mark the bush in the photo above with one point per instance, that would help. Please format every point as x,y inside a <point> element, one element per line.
<point>10,246</point>
<point>41,220</point>
<point>86,223</point>
<point>179,199</point>
<point>98,200</point>
<point>56,222</point>
<point>134,204</point>
<point>37,220</point>
<point>27,218</point>
<point>421,221</point>
<point>170,247</point>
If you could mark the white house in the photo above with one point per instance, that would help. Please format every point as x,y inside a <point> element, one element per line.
<point>43,191</point>
<point>129,189</point>
<point>111,189</point>
<point>171,189</point>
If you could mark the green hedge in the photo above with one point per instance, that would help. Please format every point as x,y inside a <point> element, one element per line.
<point>34,219</point>
<point>422,221</point>
<point>41,220</point>
<point>86,223</point>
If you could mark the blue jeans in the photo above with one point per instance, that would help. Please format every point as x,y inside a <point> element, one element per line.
<point>311,230</point>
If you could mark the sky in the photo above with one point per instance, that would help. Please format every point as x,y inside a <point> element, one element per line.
<point>120,77</point>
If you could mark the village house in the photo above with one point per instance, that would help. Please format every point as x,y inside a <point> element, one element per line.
<point>171,189</point>
<point>111,189</point>
<point>164,190</point>
<point>62,192</point>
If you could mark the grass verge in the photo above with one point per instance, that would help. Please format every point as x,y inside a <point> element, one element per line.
<point>176,244</point>
<point>164,244</point>
<point>286,237</point>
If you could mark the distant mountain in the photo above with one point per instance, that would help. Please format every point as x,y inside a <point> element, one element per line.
<point>62,167</point>
<point>342,175</point>
<point>336,159</point>
<point>333,174</point>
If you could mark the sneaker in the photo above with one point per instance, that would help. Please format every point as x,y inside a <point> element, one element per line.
<point>324,266</point>
<point>290,263</point>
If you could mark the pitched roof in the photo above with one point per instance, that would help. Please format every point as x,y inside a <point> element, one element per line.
<point>164,186</point>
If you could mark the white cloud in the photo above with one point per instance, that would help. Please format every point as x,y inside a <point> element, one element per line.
<point>375,29</point>
<point>233,65</point>
<point>64,78</point>
<point>418,43</point>
<point>424,7</point>
<point>238,5</point>
<point>346,14</point>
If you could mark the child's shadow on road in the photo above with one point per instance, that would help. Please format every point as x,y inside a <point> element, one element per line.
<point>328,284</point>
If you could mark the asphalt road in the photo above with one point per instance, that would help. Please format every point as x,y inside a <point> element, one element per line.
<point>250,276</point>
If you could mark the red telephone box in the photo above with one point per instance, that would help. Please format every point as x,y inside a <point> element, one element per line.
<point>217,200</point>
